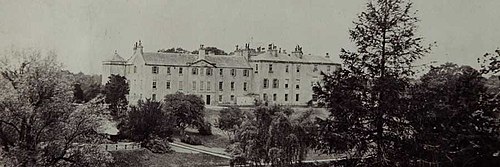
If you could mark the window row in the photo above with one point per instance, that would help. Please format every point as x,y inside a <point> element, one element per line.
<point>275,97</point>
<point>202,85</point>
<point>198,71</point>
<point>276,83</point>
<point>287,68</point>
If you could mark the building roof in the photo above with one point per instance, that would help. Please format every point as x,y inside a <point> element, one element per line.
<point>116,58</point>
<point>183,59</point>
<point>290,58</point>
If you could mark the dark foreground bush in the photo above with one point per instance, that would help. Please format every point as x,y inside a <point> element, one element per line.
<point>205,129</point>
<point>193,140</point>
<point>158,146</point>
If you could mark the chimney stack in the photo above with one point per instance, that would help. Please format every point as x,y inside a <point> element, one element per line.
<point>138,47</point>
<point>201,53</point>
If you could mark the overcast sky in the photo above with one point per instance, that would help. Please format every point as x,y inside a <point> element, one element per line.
<point>85,32</point>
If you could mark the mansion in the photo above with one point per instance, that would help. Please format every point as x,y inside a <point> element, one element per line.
<point>239,78</point>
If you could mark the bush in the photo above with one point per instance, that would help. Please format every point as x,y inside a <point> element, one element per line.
<point>191,140</point>
<point>159,146</point>
<point>205,129</point>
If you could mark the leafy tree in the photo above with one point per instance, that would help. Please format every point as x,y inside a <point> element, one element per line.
<point>173,50</point>
<point>185,110</point>
<point>367,98</point>
<point>116,91</point>
<point>454,117</point>
<point>146,121</point>
<point>89,84</point>
<point>230,120</point>
<point>273,137</point>
<point>78,93</point>
<point>39,126</point>
<point>212,49</point>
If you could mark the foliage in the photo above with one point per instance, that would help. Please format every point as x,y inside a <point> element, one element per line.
<point>89,84</point>
<point>158,146</point>
<point>454,117</point>
<point>212,49</point>
<point>205,129</point>
<point>490,62</point>
<point>230,120</point>
<point>173,50</point>
<point>272,137</point>
<point>116,91</point>
<point>193,140</point>
<point>78,93</point>
<point>366,98</point>
<point>184,110</point>
<point>146,121</point>
<point>39,126</point>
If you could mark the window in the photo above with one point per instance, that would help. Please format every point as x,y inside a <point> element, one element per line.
<point>220,86</point>
<point>297,86</point>
<point>209,71</point>
<point>180,85</point>
<point>296,97</point>
<point>208,85</point>
<point>194,71</point>
<point>202,84</point>
<point>298,68</point>
<point>232,86</point>
<point>256,68</point>
<point>220,98</point>
<point>244,86</point>
<point>274,97</point>
<point>286,97</point>
<point>168,84</point>
<point>153,97</point>
<point>264,96</point>
<point>154,69</point>
<point>180,70</point>
<point>245,73</point>
<point>232,97</point>
<point>202,72</point>
<point>270,68</point>
<point>168,70</point>
<point>266,83</point>
<point>286,83</point>
<point>194,85</point>
<point>275,83</point>
<point>154,84</point>
<point>328,68</point>
<point>286,68</point>
<point>135,69</point>
<point>315,68</point>
<point>221,71</point>
<point>233,72</point>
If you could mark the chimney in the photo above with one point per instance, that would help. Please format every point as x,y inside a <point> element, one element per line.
<point>298,52</point>
<point>138,47</point>
<point>201,53</point>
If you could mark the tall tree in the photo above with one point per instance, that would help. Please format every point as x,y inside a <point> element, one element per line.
<point>186,110</point>
<point>454,117</point>
<point>146,121</point>
<point>367,97</point>
<point>116,91</point>
<point>39,125</point>
<point>230,120</point>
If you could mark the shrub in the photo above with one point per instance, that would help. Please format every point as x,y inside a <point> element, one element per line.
<point>191,140</point>
<point>205,129</point>
<point>159,146</point>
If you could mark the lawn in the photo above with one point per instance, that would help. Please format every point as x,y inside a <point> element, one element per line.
<point>143,157</point>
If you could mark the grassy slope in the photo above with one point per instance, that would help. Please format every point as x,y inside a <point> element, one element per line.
<point>133,158</point>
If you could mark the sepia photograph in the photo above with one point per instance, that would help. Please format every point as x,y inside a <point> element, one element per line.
<point>249,83</point>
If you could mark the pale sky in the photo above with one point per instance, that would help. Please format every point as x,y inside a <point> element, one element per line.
<point>85,32</point>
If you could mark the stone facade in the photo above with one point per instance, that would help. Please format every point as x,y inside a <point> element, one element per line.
<point>270,75</point>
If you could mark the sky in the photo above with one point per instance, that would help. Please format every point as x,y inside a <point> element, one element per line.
<point>85,32</point>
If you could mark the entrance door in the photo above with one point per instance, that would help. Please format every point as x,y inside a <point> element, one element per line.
<point>208,100</point>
